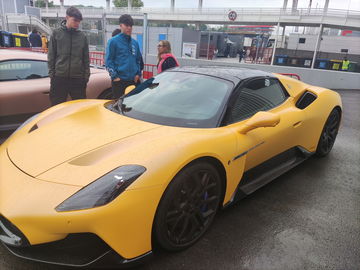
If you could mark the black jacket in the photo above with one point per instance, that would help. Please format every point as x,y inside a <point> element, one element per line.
<point>168,63</point>
<point>68,54</point>
<point>35,40</point>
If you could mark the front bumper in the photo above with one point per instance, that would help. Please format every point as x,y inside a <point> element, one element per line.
<point>76,250</point>
<point>124,226</point>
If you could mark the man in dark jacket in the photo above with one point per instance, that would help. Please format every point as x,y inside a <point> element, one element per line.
<point>35,39</point>
<point>68,59</point>
<point>123,58</point>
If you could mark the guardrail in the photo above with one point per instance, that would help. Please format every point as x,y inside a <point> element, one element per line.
<point>306,16</point>
<point>218,11</point>
<point>98,59</point>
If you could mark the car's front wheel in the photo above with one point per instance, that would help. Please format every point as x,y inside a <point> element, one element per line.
<point>188,206</point>
<point>329,133</point>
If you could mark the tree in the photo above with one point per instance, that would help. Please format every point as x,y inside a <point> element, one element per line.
<point>41,3</point>
<point>124,3</point>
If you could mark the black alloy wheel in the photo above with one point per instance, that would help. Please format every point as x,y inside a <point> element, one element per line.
<point>329,133</point>
<point>188,207</point>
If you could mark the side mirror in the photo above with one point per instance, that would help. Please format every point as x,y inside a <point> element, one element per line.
<point>129,89</point>
<point>260,119</point>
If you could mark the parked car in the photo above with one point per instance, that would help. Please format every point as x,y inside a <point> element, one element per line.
<point>25,86</point>
<point>92,180</point>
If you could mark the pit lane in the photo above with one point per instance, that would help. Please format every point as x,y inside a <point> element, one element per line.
<point>308,218</point>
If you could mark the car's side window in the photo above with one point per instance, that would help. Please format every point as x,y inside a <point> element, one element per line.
<point>256,95</point>
<point>23,70</point>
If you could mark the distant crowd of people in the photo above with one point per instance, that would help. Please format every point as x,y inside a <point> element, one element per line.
<point>69,64</point>
<point>38,40</point>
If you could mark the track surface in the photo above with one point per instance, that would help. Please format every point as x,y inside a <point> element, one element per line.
<point>308,218</point>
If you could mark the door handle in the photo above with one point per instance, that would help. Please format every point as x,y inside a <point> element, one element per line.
<point>46,92</point>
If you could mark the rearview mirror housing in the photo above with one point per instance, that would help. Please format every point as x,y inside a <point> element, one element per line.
<point>260,119</point>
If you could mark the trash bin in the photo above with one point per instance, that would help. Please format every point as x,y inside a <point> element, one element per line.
<point>352,66</point>
<point>306,62</point>
<point>281,60</point>
<point>293,61</point>
<point>20,40</point>
<point>5,39</point>
<point>335,64</point>
<point>322,64</point>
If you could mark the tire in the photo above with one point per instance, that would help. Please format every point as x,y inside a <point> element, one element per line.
<point>106,94</point>
<point>188,207</point>
<point>328,134</point>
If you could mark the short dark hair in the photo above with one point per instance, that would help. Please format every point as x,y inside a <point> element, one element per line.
<point>126,19</point>
<point>115,32</point>
<point>34,31</point>
<point>74,12</point>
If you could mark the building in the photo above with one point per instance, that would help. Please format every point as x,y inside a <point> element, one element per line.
<point>20,16</point>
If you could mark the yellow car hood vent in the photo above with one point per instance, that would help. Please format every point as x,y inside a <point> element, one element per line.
<point>70,136</point>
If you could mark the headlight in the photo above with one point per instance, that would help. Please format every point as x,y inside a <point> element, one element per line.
<point>103,190</point>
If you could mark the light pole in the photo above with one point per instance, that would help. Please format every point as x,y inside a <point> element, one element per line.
<point>2,16</point>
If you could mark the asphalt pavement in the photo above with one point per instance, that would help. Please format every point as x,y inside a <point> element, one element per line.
<point>309,218</point>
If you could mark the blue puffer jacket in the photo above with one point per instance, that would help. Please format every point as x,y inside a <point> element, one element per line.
<point>123,57</point>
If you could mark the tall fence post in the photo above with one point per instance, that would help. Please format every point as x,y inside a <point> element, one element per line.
<point>104,29</point>
<point>317,46</point>
<point>275,43</point>
<point>2,15</point>
<point>145,36</point>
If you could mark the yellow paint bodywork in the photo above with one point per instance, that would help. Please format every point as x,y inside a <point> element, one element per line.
<point>78,142</point>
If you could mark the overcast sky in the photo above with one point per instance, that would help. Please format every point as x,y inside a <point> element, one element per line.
<point>337,4</point>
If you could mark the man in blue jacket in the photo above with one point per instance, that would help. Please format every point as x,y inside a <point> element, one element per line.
<point>123,58</point>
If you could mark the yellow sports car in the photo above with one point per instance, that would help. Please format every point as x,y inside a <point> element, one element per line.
<point>94,181</point>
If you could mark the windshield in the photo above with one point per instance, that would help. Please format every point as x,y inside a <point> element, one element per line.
<point>179,99</point>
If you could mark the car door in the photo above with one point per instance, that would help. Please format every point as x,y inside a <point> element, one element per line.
<point>264,94</point>
<point>24,91</point>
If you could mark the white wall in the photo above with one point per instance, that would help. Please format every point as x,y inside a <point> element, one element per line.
<point>332,44</point>
<point>324,78</point>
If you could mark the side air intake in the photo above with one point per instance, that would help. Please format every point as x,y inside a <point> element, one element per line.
<point>305,100</point>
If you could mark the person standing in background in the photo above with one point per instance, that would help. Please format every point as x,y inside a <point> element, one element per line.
<point>115,32</point>
<point>35,39</point>
<point>241,54</point>
<point>44,42</point>
<point>118,31</point>
<point>123,57</point>
<point>345,64</point>
<point>68,59</point>
<point>166,59</point>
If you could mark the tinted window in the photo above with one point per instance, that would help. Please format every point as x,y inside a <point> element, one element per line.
<point>257,95</point>
<point>23,70</point>
<point>179,99</point>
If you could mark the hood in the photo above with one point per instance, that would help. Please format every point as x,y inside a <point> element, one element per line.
<point>63,27</point>
<point>67,131</point>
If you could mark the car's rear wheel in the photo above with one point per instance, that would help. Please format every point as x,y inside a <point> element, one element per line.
<point>188,207</point>
<point>106,94</point>
<point>329,133</point>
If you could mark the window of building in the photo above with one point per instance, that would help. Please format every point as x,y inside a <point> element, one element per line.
<point>302,40</point>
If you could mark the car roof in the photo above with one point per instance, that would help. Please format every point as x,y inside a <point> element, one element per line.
<point>11,54</point>
<point>233,74</point>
